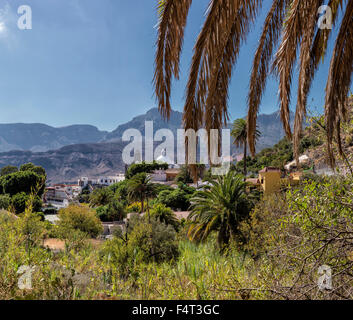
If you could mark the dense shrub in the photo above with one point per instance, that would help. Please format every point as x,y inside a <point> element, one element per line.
<point>165,215</point>
<point>101,197</point>
<point>144,243</point>
<point>114,211</point>
<point>144,167</point>
<point>294,234</point>
<point>5,201</point>
<point>79,218</point>
<point>177,198</point>
<point>23,181</point>
<point>7,170</point>
<point>19,202</point>
<point>135,207</point>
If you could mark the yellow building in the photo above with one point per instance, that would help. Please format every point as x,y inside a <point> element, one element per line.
<point>270,179</point>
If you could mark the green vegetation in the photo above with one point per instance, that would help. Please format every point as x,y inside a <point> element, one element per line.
<point>219,208</point>
<point>144,168</point>
<point>16,186</point>
<point>274,250</point>
<point>240,136</point>
<point>141,188</point>
<point>235,244</point>
<point>177,198</point>
<point>79,218</point>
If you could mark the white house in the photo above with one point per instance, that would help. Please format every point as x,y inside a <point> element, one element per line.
<point>304,159</point>
<point>102,180</point>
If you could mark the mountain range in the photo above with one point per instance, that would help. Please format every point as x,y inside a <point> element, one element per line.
<point>83,150</point>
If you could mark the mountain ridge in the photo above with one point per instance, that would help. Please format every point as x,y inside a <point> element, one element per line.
<point>103,156</point>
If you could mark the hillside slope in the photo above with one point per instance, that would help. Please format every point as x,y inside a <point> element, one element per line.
<point>39,137</point>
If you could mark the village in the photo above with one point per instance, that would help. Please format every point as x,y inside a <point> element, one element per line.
<point>270,180</point>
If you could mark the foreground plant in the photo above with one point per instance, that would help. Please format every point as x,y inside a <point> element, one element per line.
<point>217,48</point>
<point>219,208</point>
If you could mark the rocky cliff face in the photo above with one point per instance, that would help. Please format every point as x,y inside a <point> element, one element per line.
<point>69,163</point>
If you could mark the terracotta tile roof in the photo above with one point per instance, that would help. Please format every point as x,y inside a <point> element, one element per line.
<point>172,171</point>
<point>253,181</point>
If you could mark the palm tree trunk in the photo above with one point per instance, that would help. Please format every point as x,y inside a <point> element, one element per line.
<point>148,211</point>
<point>244,160</point>
<point>142,203</point>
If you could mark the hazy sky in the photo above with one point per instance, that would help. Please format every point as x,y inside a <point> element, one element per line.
<point>91,61</point>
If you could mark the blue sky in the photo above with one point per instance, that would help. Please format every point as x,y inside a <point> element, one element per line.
<point>91,62</point>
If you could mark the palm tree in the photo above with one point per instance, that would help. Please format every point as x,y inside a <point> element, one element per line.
<point>141,188</point>
<point>239,133</point>
<point>219,208</point>
<point>165,215</point>
<point>290,25</point>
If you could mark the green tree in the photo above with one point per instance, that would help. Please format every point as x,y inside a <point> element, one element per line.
<point>141,188</point>
<point>220,208</point>
<point>165,215</point>
<point>23,181</point>
<point>19,202</point>
<point>144,167</point>
<point>240,135</point>
<point>5,201</point>
<point>101,197</point>
<point>7,170</point>
<point>31,167</point>
<point>81,218</point>
<point>114,211</point>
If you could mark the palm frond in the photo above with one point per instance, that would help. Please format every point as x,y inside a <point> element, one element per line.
<point>172,22</point>
<point>305,73</point>
<point>339,78</point>
<point>269,38</point>
<point>286,57</point>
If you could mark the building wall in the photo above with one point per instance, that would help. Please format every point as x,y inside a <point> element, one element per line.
<point>270,181</point>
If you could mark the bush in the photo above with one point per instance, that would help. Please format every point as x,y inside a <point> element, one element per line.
<point>19,202</point>
<point>101,197</point>
<point>184,176</point>
<point>36,169</point>
<point>135,207</point>
<point>176,199</point>
<point>144,243</point>
<point>294,234</point>
<point>79,218</point>
<point>120,190</point>
<point>144,167</point>
<point>114,211</point>
<point>7,170</point>
<point>5,201</point>
<point>23,181</point>
<point>165,215</point>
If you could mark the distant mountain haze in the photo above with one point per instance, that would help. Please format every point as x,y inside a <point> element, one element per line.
<point>68,153</point>
<point>39,137</point>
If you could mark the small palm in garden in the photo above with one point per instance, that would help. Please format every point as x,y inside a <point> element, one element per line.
<point>240,135</point>
<point>141,188</point>
<point>220,208</point>
<point>165,215</point>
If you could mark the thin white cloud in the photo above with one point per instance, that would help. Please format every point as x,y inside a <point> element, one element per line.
<point>8,24</point>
